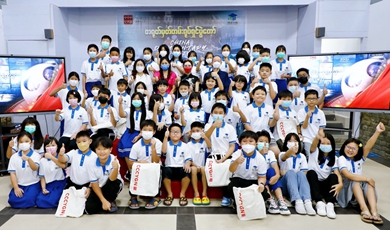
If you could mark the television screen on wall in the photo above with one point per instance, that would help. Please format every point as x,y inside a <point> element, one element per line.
<point>356,81</point>
<point>26,82</point>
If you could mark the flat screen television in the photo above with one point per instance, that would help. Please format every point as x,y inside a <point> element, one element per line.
<point>26,82</point>
<point>355,81</point>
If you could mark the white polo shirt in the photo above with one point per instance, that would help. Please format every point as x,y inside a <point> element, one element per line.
<point>280,68</point>
<point>222,137</point>
<point>24,174</point>
<point>355,167</point>
<point>102,115</point>
<point>62,96</point>
<point>255,70</point>
<point>155,66</point>
<point>253,166</point>
<point>316,121</point>
<point>177,155</point>
<point>79,170</point>
<point>323,171</point>
<point>193,115</point>
<point>92,70</point>
<point>208,99</point>
<point>241,99</point>
<point>165,117</point>
<point>259,116</point>
<point>205,69</point>
<point>231,118</point>
<point>182,101</point>
<point>15,147</point>
<point>243,70</point>
<point>126,100</point>
<point>141,151</point>
<point>167,100</point>
<point>119,71</point>
<point>300,102</point>
<point>225,67</point>
<point>193,70</point>
<point>286,116</point>
<point>74,119</point>
<point>297,104</point>
<point>298,163</point>
<point>174,69</point>
<point>101,173</point>
<point>50,171</point>
<point>268,100</point>
<point>269,158</point>
<point>146,79</point>
<point>106,59</point>
<point>137,118</point>
<point>199,151</point>
<point>91,102</point>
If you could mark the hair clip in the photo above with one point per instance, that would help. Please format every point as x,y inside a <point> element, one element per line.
<point>360,145</point>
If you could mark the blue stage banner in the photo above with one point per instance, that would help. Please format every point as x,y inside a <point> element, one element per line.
<point>198,31</point>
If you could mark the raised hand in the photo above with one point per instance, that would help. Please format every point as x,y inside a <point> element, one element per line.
<point>111,73</point>
<point>380,127</point>
<point>120,99</point>
<point>218,123</point>
<point>325,90</point>
<point>62,150</point>
<point>12,142</point>
<point>58,111</point>
<point>240,159</point>
<point>64,85</point>
<point>114,163</point>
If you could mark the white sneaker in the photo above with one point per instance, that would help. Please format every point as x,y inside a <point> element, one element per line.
<point>283,208</point>
<point>299,207</point>
<point>309,208</point>
<point>272,206</point>
<point>330,211</point>
<point>320,206</point>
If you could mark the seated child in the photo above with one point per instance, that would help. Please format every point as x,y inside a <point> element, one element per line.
<point>248,168</point>
<point>22,168</point>
<point>147,150</point>
<point>104,177</point>
<point>200,147</point>
<point>194,113</point>
<point>160,115</point>
<point>52,175</point>
<point>177,163</point>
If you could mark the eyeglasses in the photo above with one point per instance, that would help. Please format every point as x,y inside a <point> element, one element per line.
<point>311,99</point>
<point>352,148</point>
<point>176,133</point>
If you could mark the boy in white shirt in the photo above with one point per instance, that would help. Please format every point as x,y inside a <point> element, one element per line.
<point>122,86</point>
<point>91,70</point>
<point>169,100</point>
<point>114,70</point>
<point>293,87</point>
<point>265,72</point>
<point>182,101</point>
<point>305,85</point>
<point>104,54</point>
<point>105,180</point>
<point>94,100</point>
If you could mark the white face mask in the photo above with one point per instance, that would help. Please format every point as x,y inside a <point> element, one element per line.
<point>216,65</point>
<point>140,69</point>
<point>241,61</point>
<point>225,53</point>
<point>73,83</point>
<point>24,146</point>
<point>184,94</point>
<point>141,91</point>
<point>247,50</point>
<point>196,136</point>
<point>95,92</point>
<point>163,53</point>
<point>291,144</point>
<point>209,60</point>
<point>147,135</point>
<point>248,148</point>
<point>161,107</point>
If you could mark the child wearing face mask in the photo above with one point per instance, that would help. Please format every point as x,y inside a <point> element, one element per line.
<point>213,84</point>
<point>61,92</point>
<point>194,113</point>
<point>52,175</point>
<point>150,65</point>
<point>246,46</point>
<point>147,150</point>
<point>255,59</point>
<point>115,70</point>
<point>169,99</point>
<point>191,77</point>
<point>91,70</point>
<point>192,58</point>
<point>265,71</point>
<point>272,176</point>
<point>75,118</point>
<point>167,74</point>
<point>94,100</point>
<point>304,85</point>
<point>104,54</point>
<point>128,59</point>
<point>22,168</point>
<point>160,115</point>
<point>228,64</point>
<point>264,57</point>
<point>206,64</point>
<point>182,101</point>
<point>163,52</point>
<point>32,126</point>
<point>293,86</point>
<point>237,92</point>
<point>80,159</point>
<point>293,169</point>
<point>200,147</point>
<point>243,59</point>
<point>281,68</point>
<point>324,176</point>
<point>177,60</point>
<point>140,74</point>
<point>140,87</point>
<point>121,91</point>
<point>248,167</point>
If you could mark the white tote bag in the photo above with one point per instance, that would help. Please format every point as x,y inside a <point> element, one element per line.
<point>145,179</point>
<point>72,203</point>
<point>217,174</point>
<point>285,127</point>
<point>249,203</point>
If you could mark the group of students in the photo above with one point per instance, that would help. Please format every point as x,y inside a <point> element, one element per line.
<point>179,110</point>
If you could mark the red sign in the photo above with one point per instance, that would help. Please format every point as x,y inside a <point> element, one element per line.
<point>128,19</point>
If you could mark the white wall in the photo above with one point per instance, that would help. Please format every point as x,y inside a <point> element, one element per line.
<point>379,27</point>
<point>3,44</point>
<point>306,28</point>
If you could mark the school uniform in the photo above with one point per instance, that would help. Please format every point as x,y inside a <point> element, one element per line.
<point>15,147</point>
<point>232,118</point>
<point>321,178</point>
<point>102,116</point>
<point>316,121</point>
<point>55,178</point>
<point>106,59</point>
<point>256,69</point>
<point>199,151</point>
<point>155,66</point>
<point>91,69</point>
<point>243,70</point>
<point>126,142</point>
<point>175,69</point>
<point>181,102</point>
<point>176,157</point>
<point>146,79</point>
<point>240,99</point>
<point>78,173</point>
<point>293,180</point>
<point>73,120</point>
<point>270,159</point>
<point>192,115</point>
<point>119,71</point>
<point>268,100</point>
<point>300,102</point>
<point>115,95</point>
<point>130,68</point>
<point>193,70</point>
<point>27,180</point>
<point>259,116</point>
<point>225,67</point>
<point>205,69</point>
<point>167,100</point>
<point>278,69</point>
<point>62,96</point>
<point>247,173</point>
<point>91,102</point>
<point>110,189</point>
<point>222,137</point>
<point>208,99</point>
<point>165,117</point>
<point>286,115</point>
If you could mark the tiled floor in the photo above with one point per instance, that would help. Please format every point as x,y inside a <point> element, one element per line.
<point>190,217</point>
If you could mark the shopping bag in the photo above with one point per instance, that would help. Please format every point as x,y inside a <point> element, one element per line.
<point>286,126</point>
<point>145,179</point>
<point>72,203</point>
<point>249,203</point>
<point>217,174</point>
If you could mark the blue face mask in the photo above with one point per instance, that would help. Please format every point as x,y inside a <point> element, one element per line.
<point>280,55</point>
<point>222,102</point>
<point>176,54</point>
<point>216,117</point>
<point>193,59</point>
<point>30,128</point>
<point>326,148</point>
<point>286,104</point>
<point>136,103</point>
<point>255,54</point>
<point>105,45</point>
<point>164,67</point>
<point>260,145</point>
<point>292,89</point>
<point>265,59</point>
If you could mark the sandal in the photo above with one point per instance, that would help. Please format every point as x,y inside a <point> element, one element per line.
<point>168,201</point>
<point>205,200</point>
<point>183,201</point>
<point>377,218</point>
<point>366,219</point>
<point>133,204</point>
<point>153,203</point>
<point>197,200</point>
